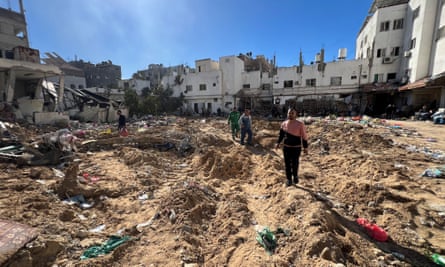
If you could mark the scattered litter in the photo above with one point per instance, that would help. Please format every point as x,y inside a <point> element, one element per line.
<point>172,216</point>
<point>143,196</point>
<point>262,197</point>
<point>98,229</point>
<point>141,226</point>
<point>78,200</point>
<point>58,173</point>
<point>373,230</point>
<point>112,243</point>
<point>438,259</point>
<point>434,172</point>
<point>82,217</point>
<point>266,238</point>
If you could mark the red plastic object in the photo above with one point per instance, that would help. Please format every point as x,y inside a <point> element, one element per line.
<point>124,132</point>
<point>373,230</point>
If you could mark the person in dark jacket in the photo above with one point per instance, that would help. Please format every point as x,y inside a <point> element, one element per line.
<point>294,138</point>
<point>122,122</point>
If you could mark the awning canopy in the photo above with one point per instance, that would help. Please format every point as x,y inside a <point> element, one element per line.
<point>378,87</point>
<point>415,85</point>
<point>438,79</point>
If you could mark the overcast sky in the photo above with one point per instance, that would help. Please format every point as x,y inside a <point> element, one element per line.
<point>136,33</point>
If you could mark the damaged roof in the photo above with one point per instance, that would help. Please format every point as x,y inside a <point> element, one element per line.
<point>25,70</point>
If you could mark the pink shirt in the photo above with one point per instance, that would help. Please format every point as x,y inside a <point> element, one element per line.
<point>294,127</point>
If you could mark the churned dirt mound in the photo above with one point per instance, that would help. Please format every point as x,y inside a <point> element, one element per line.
<point>184,193</point>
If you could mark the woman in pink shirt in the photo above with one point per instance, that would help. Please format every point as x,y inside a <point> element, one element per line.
<point>293,132</point>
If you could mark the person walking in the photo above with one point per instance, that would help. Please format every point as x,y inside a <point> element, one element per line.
<point>245,123</point>
<point>122,123</point>
<point>233,122</point>
<point>294,138</point>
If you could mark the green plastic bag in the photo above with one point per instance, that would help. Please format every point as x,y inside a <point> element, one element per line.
<point>106,248</point>
<point>267,239</point>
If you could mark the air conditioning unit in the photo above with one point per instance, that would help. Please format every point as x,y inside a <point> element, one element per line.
<point>407,54</point>
<point>387,60</point>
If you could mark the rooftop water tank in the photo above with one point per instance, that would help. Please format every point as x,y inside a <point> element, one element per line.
<point>342,53</point>
<point>318,58</point>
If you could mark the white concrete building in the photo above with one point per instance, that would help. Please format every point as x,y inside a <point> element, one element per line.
<point>398,60</point>
<point>404,42</point>
<point>425,47</point>
<point>201,88</point>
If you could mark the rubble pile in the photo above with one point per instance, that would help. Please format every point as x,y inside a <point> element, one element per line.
<point>181,192</point>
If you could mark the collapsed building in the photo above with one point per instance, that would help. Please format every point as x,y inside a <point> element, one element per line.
<point>33,89</point>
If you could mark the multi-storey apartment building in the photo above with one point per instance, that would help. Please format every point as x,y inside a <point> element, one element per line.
<point>104,74</point>
<point>404,41</point>
<point>425,47</point>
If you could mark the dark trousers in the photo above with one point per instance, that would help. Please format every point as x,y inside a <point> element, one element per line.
<point>291,161</point>
<point>247,131</point>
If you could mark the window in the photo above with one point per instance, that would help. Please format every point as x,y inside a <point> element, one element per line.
<point>361,44</point>
<point>336,81</point>
<point>391,77</point>
<point>288,84</point>
<point>397,24</point>
<point>366,39</point>
<point>214,84</point>
<point>412,44</point>
<point>395,51</point>
<point>353,77</point>
<point>247,85</point>
<point>378,78</point>
<point>311,82</point>
<point>416,13</point>
<point>189,88</point>
<point>72,86</point>
<point>266,86</point>
<point>384,26</point>
<point>9,54</point>
<point>202,87</point>
<point>381,52</point>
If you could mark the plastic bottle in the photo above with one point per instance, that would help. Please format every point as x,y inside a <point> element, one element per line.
<point>438,259</point>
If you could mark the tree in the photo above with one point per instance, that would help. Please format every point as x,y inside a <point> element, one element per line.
<point>132,102</point>
<point>153,101</point>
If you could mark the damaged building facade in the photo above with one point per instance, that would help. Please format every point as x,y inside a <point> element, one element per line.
<point>49,90</point>
<point>23,91</point>
<point>87,103</point>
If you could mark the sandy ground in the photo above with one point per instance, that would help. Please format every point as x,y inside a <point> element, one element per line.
<point>203,206</point>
